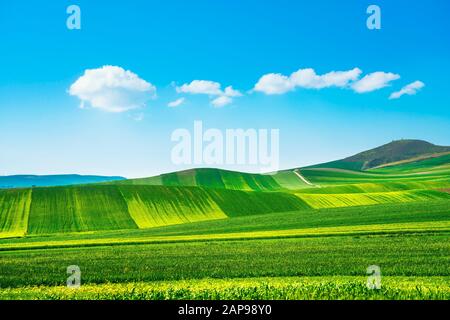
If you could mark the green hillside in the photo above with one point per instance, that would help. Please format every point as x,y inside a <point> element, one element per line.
<point>123,207</point>
<point>333,176</point>
<point>14,211</point>
<point>223,179</point>
<point>435,163</point>
<point>77,209</point>
<point>401,161</point>
<point>325,200</point>
<point>395,151</point>
<point>151,206</point>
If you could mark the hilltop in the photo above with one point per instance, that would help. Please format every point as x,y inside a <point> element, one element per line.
<point>393,153</point>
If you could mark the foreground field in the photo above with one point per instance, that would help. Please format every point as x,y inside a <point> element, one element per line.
<point>275,288</point>
<point>414,266</point>
<point>397,255</point>
<point>306,254</point>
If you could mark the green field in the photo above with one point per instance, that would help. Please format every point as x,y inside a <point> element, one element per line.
<point>213,234</point>
<point>223,179</point>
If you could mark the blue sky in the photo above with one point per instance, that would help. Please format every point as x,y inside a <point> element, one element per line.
<point>169,43</point>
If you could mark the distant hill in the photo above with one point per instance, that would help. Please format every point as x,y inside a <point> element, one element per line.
<point>223,179</point>
<point>24,181</point>
<point>395,152</point>
<point>102,203</point>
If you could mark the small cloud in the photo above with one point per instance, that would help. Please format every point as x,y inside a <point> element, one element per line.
<point>230,92</point>
<point>410,89</point>
<point>200,87</point>
<point>276,83</point>
<point>176,103</point>
<point>221,101</point>
<point>374,81</point>
<point>112,89</point>
<point>307,78</point>
<point>273,83</point>
<point>212,89</point>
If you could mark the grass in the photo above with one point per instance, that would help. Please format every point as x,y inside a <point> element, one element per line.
<point>234,205</point>
<point>120,207</point>
<point>406,217</point>
<point>158,206</point>
<point>69,209</point>
<point>372,187</point>
<point>361,199</point>
<point>339,164</point>
<point>289,180</point>
<point>222,179</point>
<point>304,222</point>
<point>327,177</point>
<point>405,255</point>
<point>435,163</point>
<point>362,230</point>
<point>14,211</point>
<point>273,288</point>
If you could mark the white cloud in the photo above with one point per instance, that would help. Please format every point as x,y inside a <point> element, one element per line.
<point>112,89</point>
<point>213,89</point>
<point>307,78</point>
<point>410,89</point>
<point>176,103</point>
<point>201,87</point>
<point>275,83</point>
<point>374,81</point>
<point>221,101</point>
<point>230,92</point>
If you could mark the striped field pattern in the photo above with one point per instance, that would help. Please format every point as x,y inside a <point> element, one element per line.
<point>363,199</point>
<point>122,207</point>
<point>151,206</point>
<point>14,211</point>
<point>223,179</point>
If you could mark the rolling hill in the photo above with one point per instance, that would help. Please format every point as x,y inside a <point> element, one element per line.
<point>391,153</point>
<point>210,194</point>
<point>26,181</point>
<point>223,179</point>
<point>230,227</point>
<point>403,156</point>
<point>85,208</point>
